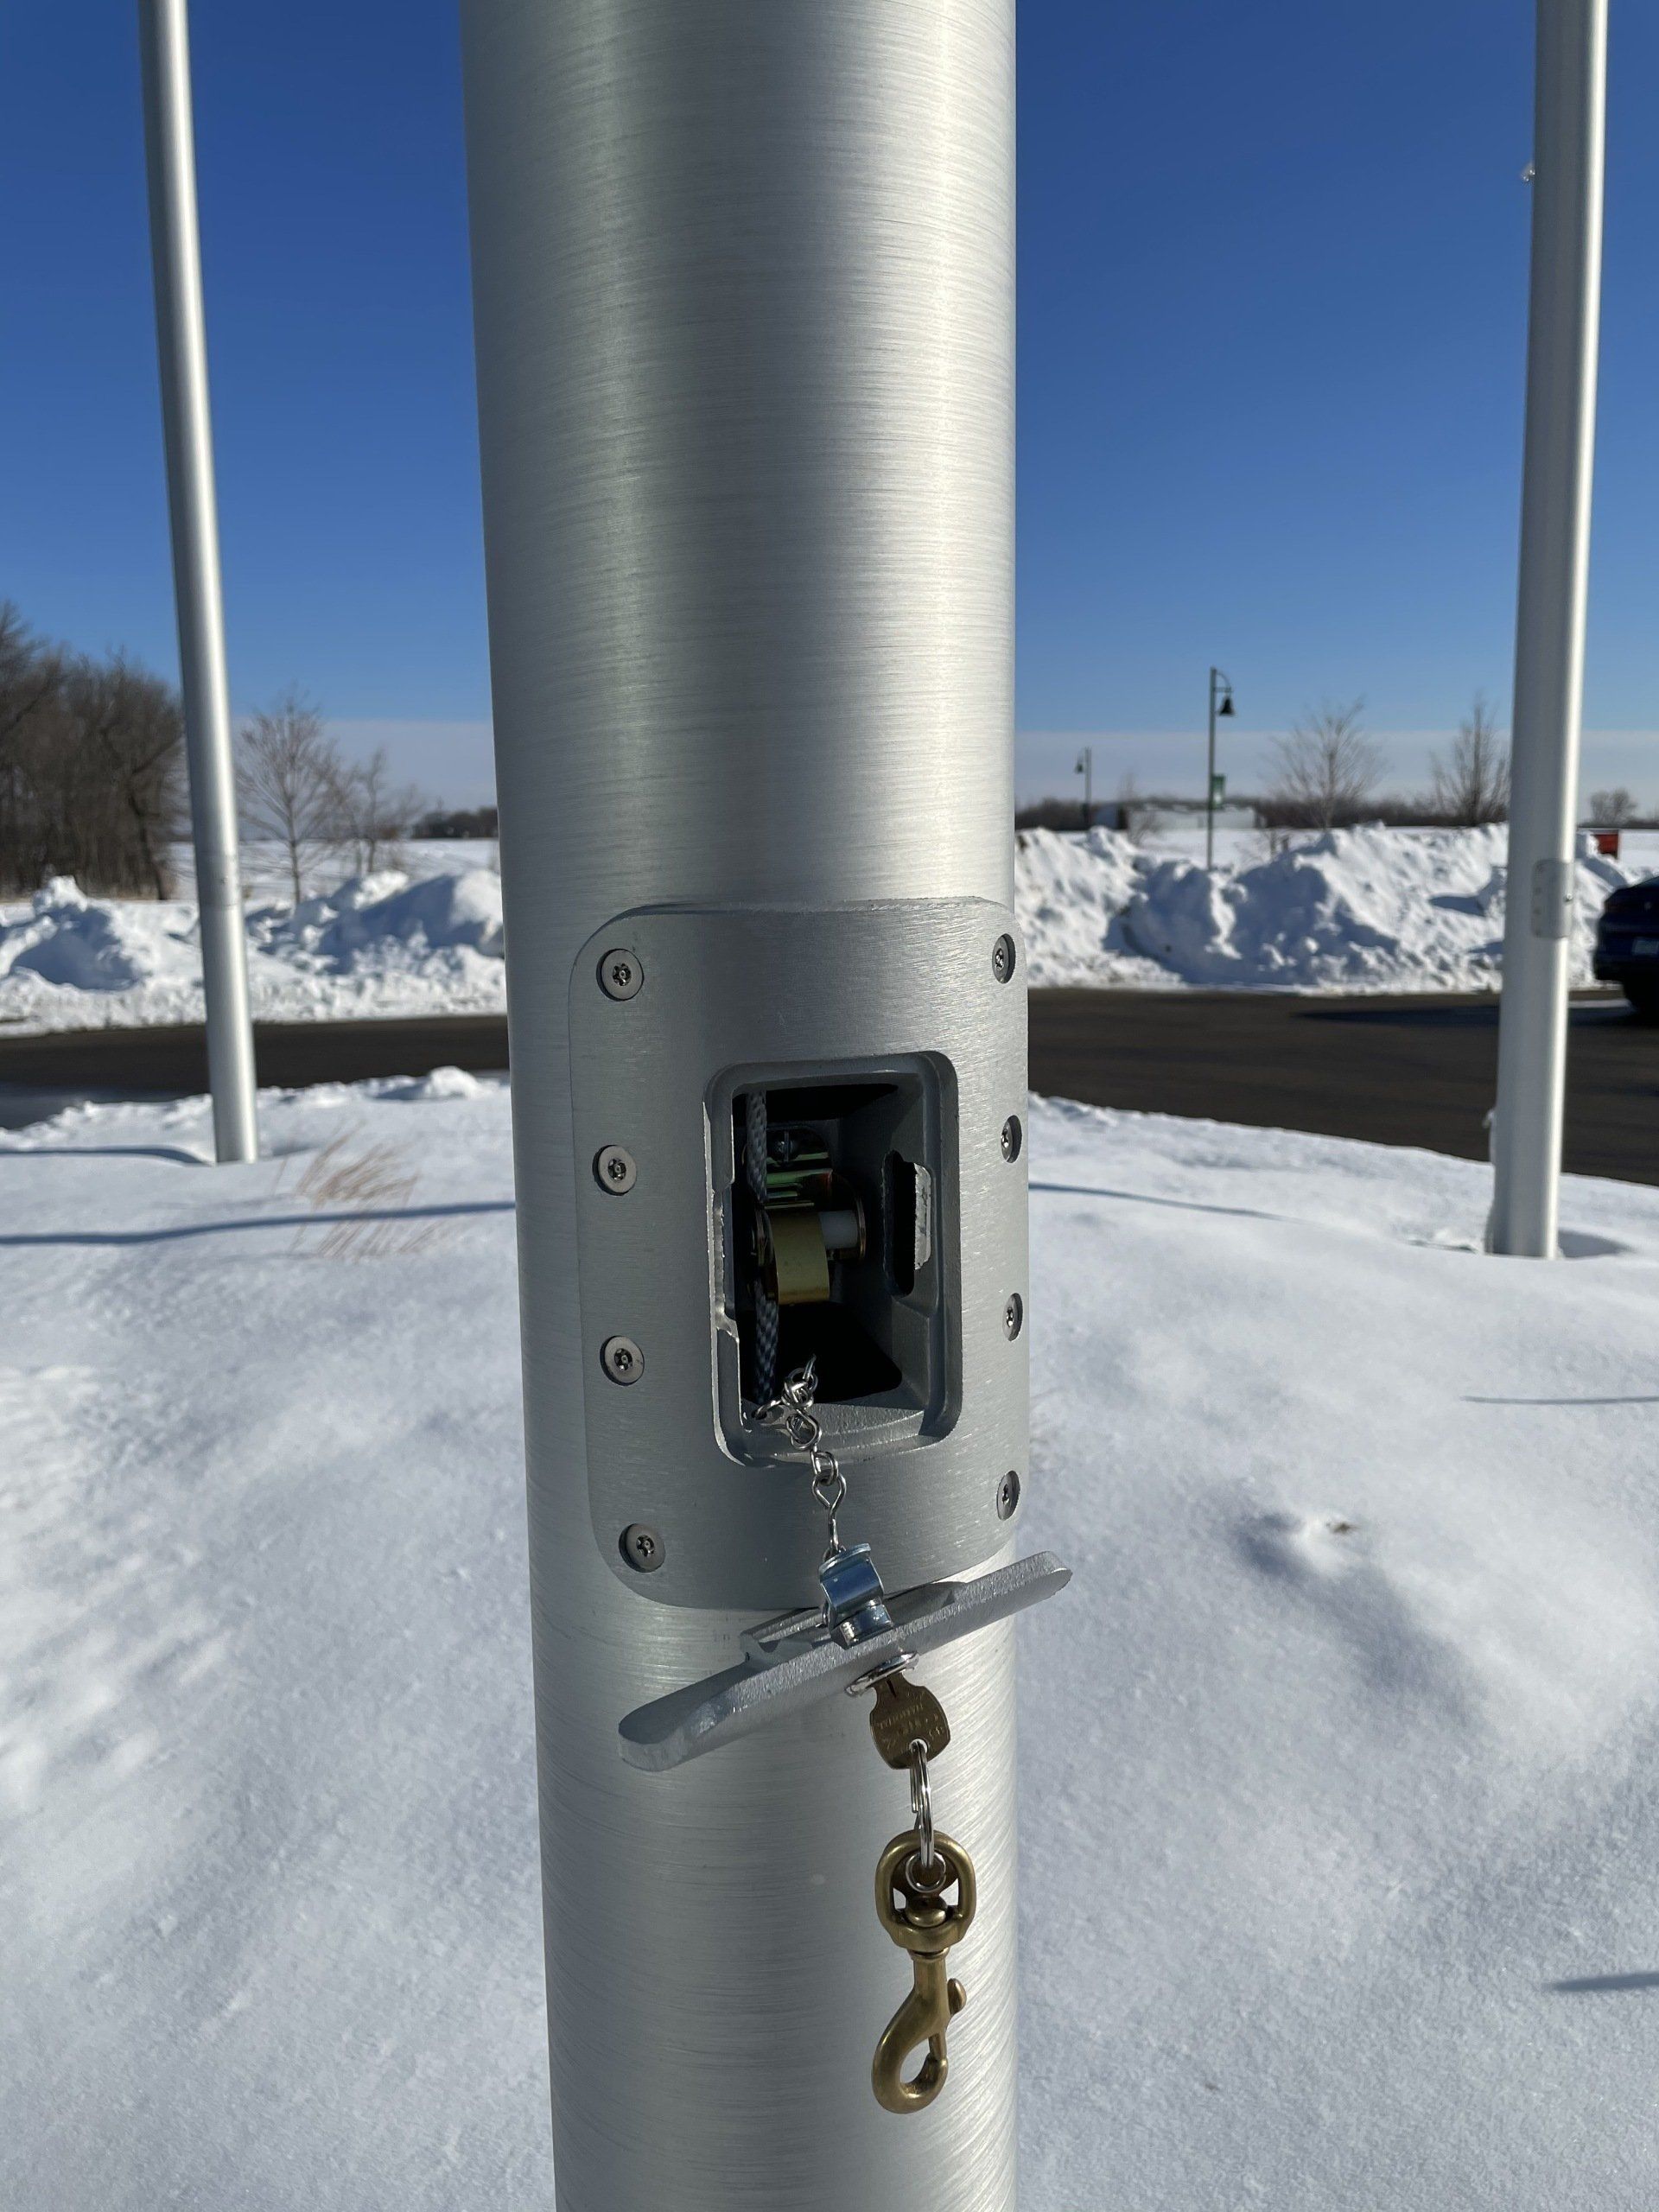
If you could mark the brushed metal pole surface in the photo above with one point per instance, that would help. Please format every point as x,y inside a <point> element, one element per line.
<point>181,341</point>
<point>743,283</point>
<point>1562,360</point>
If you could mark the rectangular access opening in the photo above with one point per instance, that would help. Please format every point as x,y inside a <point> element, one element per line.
<point>845,1242</point>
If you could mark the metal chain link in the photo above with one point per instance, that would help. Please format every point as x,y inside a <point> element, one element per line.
<point>792,1412</point>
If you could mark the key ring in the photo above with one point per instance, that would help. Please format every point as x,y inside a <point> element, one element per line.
<point>926,1868</point>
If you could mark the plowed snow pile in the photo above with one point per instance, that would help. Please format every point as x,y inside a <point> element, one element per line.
<point>1340,1757</point>
<point>1356,910</point>
<point>379,945</point>
<point>1359,910</point>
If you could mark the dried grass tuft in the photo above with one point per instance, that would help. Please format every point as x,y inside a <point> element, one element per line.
<point>373,1181</point>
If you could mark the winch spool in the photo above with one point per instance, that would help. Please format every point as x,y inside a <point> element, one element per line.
<point>812,1217</point>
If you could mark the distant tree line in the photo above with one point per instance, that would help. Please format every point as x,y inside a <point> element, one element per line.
<point>91,771</point>
<point>93,781</point>
<point>1327,774</point>
<point>459,822</point>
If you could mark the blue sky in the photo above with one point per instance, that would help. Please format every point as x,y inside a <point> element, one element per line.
<point>1272,278</point>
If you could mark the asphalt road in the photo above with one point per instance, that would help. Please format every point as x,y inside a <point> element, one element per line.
<point>1393,1071</point>
<point>1396,1071</point>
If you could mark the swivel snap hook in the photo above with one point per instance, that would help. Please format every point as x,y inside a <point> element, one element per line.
<point>910,1902</point>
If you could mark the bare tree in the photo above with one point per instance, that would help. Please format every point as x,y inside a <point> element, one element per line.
<point>1473,785</point>
<point>1137,815</point>
<point>1327,771</point>
<point>378,811</point>
<point>291,783</point>
<point>1613,810</point>
<point>30,675</point>
<point>91,768</point>
<point>30,672</point>
<point>131,728</point>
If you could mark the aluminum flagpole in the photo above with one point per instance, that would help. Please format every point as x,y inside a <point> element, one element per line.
<point>743,284</point>
<point>1561,359</point>
<point>164,39</point>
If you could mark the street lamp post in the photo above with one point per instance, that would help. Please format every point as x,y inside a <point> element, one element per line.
<point>1085,768</point>
<point>1221,702</point>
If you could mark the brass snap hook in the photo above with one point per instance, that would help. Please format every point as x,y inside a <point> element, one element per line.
<point>910,1905</point>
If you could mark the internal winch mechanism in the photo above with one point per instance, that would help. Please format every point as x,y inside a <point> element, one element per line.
<point>835,1237</point>
<point>813,1219</point>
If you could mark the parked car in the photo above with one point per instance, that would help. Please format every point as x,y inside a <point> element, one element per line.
<point>1627,945</point>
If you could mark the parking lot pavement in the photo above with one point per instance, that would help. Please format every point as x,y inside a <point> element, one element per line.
<point>1395,1070</point>
<point>1413,1070</point>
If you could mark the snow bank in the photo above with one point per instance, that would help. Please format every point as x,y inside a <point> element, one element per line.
<point>376,918</point>
<point>1356,910</point>
<point>377,945</point>
<point>67,942</point>
<point>265,869</point>
<point>1070,893</point>
<point>1361,910</point>
<point>1340,1756</point>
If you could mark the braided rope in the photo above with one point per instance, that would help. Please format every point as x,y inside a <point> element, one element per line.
<point>766,1312</point>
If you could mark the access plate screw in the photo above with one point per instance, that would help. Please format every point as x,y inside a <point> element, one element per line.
<point>1008,1496</point>
<point>1011,1134</point>
<point>614,1170</point>
<point>643,1549</point>
<point>620,973</point>
<point>622,1359</point>
<point>1002,958</point>
<point>1014,1314</point>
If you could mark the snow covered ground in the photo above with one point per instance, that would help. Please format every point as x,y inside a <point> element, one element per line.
<point>1382,910</point>
<point>1341,1793</point>
<point>266,874</point>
